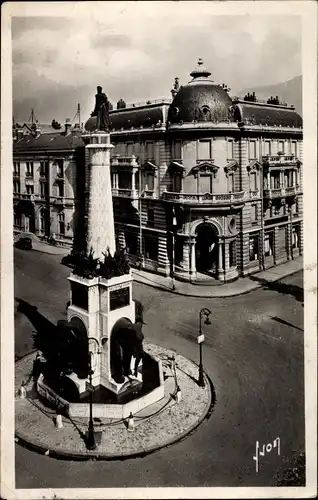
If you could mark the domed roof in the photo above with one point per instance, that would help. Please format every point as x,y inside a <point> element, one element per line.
<point>201,100</point>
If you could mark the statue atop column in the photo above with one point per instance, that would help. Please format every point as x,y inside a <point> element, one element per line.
<point>101,111</point>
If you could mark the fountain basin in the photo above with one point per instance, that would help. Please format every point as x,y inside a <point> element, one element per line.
<point>134,399</point>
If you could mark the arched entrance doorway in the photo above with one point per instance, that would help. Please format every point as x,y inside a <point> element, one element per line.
<point>206,249</point>
<point>26,210</point>
<point>78,333</point>
<point>119,331</point>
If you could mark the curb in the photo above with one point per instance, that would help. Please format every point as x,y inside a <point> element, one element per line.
<point>36,446</point>
<point>198,295</point>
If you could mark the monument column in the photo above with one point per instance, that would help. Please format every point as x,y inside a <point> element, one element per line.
<point>101,231</point>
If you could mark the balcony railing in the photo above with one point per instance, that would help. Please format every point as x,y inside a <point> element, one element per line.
<point>29,175</point>
<point>125,193</point>
<point>148,193</point>
<point>254,193</point>
<point>280,159</point>
<point>123,161</point>
<point>204,198</point>
<point>281,192</point>
<point>24,196</point>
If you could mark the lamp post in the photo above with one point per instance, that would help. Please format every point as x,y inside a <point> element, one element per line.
<point>204,312</point>
<point>91,443</point>
<point>174,225</point>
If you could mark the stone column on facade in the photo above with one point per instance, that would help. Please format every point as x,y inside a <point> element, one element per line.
<point>192,257</point>
<point>186,255</point>
<point>101,232</point>
<point>226,257</point>
<point>220,262</point>
<point>268,180</point>
<point>133,186</point>
<point>163,259</point>
<point>275,244</point>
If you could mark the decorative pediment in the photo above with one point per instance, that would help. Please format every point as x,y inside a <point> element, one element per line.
<point>204,167</point>
<point>148,165</point>
<point>176,168</point>
<point>231,166</point>
<point>254,165</point>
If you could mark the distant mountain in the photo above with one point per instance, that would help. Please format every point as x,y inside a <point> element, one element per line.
<point>290,92</point>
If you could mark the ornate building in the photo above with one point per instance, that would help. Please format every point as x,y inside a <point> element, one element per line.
<point>209,183</point>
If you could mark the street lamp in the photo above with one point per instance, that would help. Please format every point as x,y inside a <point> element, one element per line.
<point>90,443</point>
<point>204,312</point>
<point>174,225</point>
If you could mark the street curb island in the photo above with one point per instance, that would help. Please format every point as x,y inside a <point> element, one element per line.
<point>142,451</point>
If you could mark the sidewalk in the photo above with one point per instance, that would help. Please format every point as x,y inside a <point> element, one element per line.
<point>238,287</point>
<point>41,246</point>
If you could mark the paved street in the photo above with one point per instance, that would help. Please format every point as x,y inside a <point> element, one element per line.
<point>254,359</point>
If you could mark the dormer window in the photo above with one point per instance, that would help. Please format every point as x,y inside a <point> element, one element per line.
<point>205,113</point>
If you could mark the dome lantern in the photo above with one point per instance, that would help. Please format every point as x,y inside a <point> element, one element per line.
<point>200,71</point>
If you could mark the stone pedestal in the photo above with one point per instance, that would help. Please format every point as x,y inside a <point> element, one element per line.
<point>99,304</point>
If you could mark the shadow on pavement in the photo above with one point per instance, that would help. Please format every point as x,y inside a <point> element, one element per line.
<point>296,291</point>
<point>46,332</point>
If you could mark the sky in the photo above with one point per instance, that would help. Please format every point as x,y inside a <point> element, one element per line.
<point>134,50</point>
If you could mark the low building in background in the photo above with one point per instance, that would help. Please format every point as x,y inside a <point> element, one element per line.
<point>205,183</point>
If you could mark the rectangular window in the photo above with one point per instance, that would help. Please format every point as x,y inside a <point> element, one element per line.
<point>149,150</point>
<point>150,217</point>
<point>295,237</point>
<point>204,150</point>
<point>276,180</point>
<point>293,148</point>
<point>253,247</point>
<point>131,243</point>
<point>29,168</point>
<point>44,188</point>
<point>252,150</point>
<point>150,182</point>
<point>267,148</point>
<point>151,247</point>
<point>268,244</point>
<point>60,167</point>
<point>177,183</point>
<point>16,186</point>
<point>44,167</point>
<point>253,181</point>
<point>16,167</point>
<point>281,146</point>
<point>232,253</point>
<point>60,189</point>
<point>253,213</point>
<point>61,223</point>
<point>130,148</point>
<point>289,177</point>
<point>231,183</point>
<point>205,184</point>
<point>177,153</point>
<point>230,149</point>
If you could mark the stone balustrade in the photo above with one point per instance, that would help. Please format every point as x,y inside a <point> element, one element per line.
<point>280,159</point>
<point>204,198</point>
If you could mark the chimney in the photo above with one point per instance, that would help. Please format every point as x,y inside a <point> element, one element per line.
<point>68,126</point>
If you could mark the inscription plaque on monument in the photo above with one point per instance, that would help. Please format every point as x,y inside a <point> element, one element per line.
<point>119,298</point>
